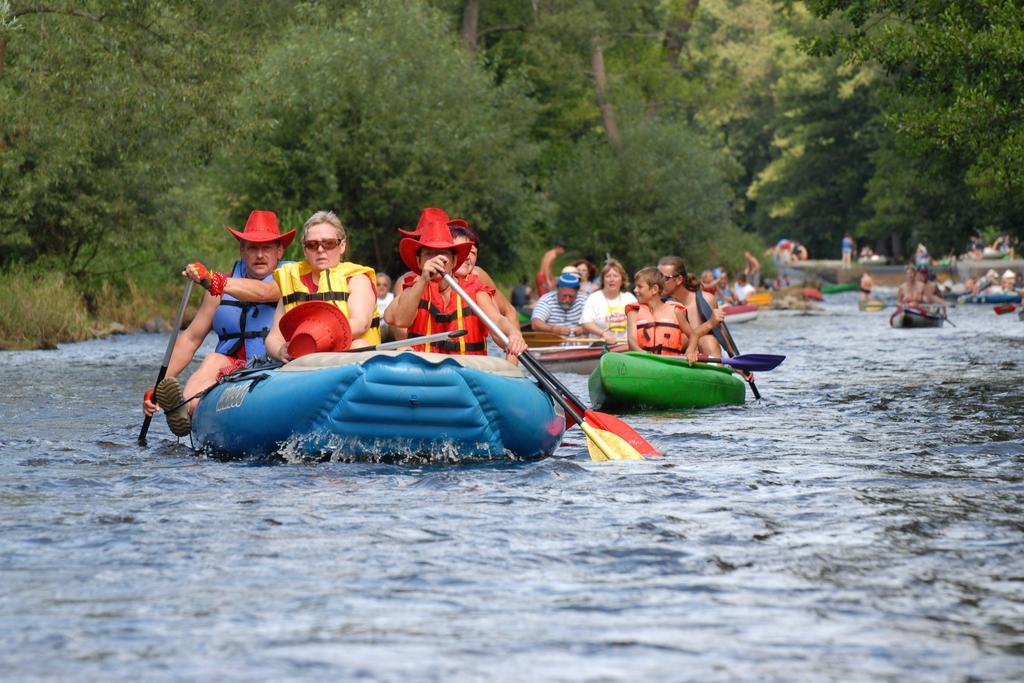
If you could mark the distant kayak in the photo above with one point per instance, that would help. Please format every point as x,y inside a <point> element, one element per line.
<point>836,289</point>
<point>1007,298</point>
<point>635,380</point>
<point>740,313</point>
<point>760,299</point>
<point>809,293</point>
<point>916,316</point>
<point>871,305</point>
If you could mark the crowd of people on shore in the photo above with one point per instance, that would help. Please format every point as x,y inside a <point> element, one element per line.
<point>1002,247</point>
<point>265,309</point>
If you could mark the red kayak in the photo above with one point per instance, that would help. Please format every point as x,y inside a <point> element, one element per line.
<point>809,293</point>
<point>575,358</point>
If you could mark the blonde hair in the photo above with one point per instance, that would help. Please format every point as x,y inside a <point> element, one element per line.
<point>328,217</point>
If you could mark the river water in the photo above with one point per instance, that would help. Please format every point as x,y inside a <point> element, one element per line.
<point>864,522</point>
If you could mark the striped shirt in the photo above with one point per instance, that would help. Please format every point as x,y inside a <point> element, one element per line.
<point>550,311</point>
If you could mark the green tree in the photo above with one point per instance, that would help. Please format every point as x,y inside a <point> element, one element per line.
<point>955,68</point>
<point>824,132</point>
<point>108,109</point>
<point>376,116</point>
<point>662,192</point>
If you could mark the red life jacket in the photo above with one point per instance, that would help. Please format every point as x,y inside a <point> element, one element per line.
<point>660,335</point>
<point>434,315</point>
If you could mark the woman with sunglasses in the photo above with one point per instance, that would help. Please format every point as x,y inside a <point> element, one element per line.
<point>323,276</point>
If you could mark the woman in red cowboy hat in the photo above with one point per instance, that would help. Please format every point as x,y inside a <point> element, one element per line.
<point>324,277</point>
<point>427,304</point>
<point>238,306</point>
<point>461,232</point>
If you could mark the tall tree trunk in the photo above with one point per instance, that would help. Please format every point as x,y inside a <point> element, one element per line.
<point>471,24</point>
<point>678,28</point>
<point>3,54</point>
<point>611,128</point>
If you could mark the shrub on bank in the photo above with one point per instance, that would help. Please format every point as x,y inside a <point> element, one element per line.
<point>50,308</point>
<point>41,309</point>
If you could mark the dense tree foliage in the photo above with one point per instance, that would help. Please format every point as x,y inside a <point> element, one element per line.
<point>138,128</point>
<point>107,109</point>
<point>956,100</point>
<point>377,115</point>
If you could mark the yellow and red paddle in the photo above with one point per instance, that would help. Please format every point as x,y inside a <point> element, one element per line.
<point>608,437</point>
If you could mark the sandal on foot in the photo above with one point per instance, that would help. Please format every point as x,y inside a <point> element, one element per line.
<point>171,401</point>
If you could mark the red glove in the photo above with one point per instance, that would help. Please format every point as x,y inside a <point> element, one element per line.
<point>211,281</point>
<point>217,283</point>
<point>203,272</point>
<point>148,396</point>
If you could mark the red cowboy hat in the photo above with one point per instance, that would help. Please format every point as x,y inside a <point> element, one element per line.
<point>432,233</point>
<point>261,228</point>
<point>428,216</point>
<point>315,327</point>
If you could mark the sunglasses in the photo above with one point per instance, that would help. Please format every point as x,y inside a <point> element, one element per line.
<point>314,245</point>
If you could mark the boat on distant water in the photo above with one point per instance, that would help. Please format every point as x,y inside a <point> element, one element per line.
<point>838,288</point>
<point>916,316</point>
<point>1004,298</point>
<point>871,305</point>
<point>740,313</point>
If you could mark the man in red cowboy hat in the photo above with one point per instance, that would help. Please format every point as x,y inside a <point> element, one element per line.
<point>427,304</point>
<point>238,306</point>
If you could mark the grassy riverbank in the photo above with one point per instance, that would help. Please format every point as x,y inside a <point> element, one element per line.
<point>45,308</point>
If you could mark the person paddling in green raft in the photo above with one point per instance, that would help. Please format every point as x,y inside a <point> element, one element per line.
<point>657,326</point>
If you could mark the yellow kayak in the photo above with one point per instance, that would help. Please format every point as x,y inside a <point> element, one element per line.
<point>760,299</point>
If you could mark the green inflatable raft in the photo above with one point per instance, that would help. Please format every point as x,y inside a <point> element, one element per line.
<point>634,380</point>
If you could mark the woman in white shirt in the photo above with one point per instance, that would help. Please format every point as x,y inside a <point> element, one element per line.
<point>604,314</point>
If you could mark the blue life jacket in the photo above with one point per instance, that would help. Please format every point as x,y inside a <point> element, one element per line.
<point>243,322</point>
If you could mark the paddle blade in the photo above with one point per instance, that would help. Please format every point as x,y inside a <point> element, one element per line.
<point>755,362</point>
<point>603,445</point>
<point>621,431</point>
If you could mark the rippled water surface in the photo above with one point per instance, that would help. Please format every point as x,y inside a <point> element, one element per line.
<point>865,521</point>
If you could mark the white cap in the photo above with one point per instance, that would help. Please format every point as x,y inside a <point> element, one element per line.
<point>571,269</point>
<point>1009,273</point>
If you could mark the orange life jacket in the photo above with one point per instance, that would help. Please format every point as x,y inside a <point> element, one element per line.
<point>434,315</point>
<point>660,335</point>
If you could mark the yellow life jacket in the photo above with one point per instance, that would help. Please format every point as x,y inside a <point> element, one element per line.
<point>332,287</point>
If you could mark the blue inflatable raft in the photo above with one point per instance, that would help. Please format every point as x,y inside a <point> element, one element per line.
<point>381,406</point>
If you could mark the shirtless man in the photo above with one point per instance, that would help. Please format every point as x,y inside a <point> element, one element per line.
<point>928,287</point>
<point>866,283</point>
<point>676,289</point>
<point>907,294</point>
<point>752,269</point>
